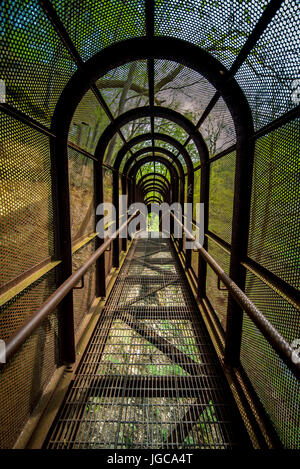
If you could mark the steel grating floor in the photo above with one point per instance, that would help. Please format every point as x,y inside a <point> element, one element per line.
<point>149,377</point>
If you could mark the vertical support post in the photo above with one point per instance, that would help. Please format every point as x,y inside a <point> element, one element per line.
<point>63,246</point>
<point>239,240</point>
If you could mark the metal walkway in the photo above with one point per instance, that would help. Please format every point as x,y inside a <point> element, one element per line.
<point>149,377</point>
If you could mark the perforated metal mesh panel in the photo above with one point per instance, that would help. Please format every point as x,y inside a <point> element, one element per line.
<point>168,127</point>
<point>81,183</point>
<point>23,380</point>
<point>221,28</point>
<point>106,22</point>
<point>149,377</point>
<point>88,123</point>
<point>107,196</point>
<point>125,87</point>
<point>274,229</point>
<point>273,241</point>
<point>216,292</point>
<point>221,192</point>
<point>26,200</point>
<point>112,149</point>
<point>136,127</point>
<point>276,386</point>
<point>197,188</point>
<point>33,62</point>
<point>269,76</point>
<point>180,88</point>
<point>84,296</point>
<point>218,129</point>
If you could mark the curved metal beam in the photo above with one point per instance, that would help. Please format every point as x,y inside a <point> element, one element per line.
<point>141,48</point>
<point>148,136</point>
<point>134,169</point>
<point>150,151</point>
<point>127,173</point>
<point>161,150</point>
<point>151,189</point>
<point>154,183</point>
<point>192,56</point>
<point>152,199</point>
<point>156,111</point>
<point>146,159</point>
<point>156,174</point>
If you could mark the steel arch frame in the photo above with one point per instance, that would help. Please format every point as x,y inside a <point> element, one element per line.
<point>143,137</point>
<point>155,184</point>
<point>174,176</point>
<point>151,189</point>
<point>152,199</point>
<point>157,174</point>
<point>147,136</point>
<point>175,162</point>
<point>190,183</point>
<point>160,47</point>
<point>130,174</point>
<point>156,150</point>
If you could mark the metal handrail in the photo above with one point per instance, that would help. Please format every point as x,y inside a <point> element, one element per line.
<point>275,339</point>
<point>24,332</point>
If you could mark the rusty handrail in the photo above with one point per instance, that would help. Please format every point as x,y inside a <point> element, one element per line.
<point>24,332</point>
<point>275,339</point>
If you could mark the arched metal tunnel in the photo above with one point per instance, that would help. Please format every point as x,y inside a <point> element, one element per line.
<point>131,342</point>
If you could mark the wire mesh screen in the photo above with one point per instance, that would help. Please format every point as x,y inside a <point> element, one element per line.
<point>81,183</point>
<point>24,378</point>
<point>26,200</point>
<point>106,22</point>
<point>84,295</point>
<point>88,123</point>
<point>218,129</point>
<point>274,229</point>
<point>229,23</point>
<point>221,192</point>
<point>112,149</point>
<point>33,62</point>
<point>126,87</point>
<point>136,127</point>
<point>168,127</point>
<point>197,188</point>
<point>107,196</point>
<point>275,384</point>
<point>26,242</point>
<point>273,243</point>
<point>182,89</point>
<point>195,262</point>
<point>270,76</point>
<point>216,291</point>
